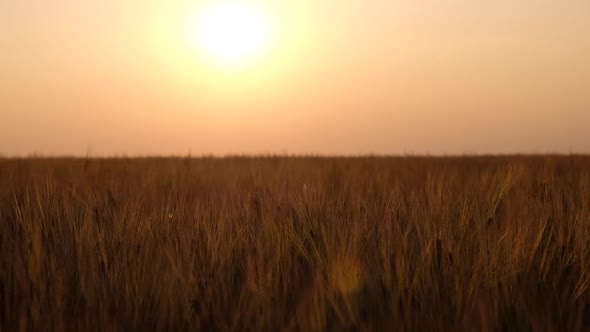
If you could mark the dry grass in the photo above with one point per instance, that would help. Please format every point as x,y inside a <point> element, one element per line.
<point>308,244</point>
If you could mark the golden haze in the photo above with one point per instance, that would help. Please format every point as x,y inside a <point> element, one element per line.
<point>339,77</point>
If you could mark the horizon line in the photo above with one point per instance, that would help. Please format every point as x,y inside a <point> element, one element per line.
<point>291,156</point>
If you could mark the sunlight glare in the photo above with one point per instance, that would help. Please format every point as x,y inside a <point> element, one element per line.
<point>232,32</point>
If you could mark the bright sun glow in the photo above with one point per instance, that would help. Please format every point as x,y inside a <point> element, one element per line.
<point>232,33</point>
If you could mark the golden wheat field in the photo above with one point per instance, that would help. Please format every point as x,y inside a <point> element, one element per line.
<point>295,244</point>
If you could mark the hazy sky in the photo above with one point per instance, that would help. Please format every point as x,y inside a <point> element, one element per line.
<point>338,77</point>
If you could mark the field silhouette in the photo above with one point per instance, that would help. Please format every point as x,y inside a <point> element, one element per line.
<point>295,243</point>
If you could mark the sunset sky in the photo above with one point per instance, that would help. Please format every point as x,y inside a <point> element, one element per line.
<point>131,77</point>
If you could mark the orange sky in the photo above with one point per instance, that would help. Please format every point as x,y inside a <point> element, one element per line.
<point>340,77</point>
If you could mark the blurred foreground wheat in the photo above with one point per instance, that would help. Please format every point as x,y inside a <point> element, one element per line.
<point>307,244</point>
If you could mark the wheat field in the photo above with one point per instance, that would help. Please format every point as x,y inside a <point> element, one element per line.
<point>295,244</point>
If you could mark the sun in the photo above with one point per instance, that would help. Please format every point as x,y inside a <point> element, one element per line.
<point>232,33</point>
